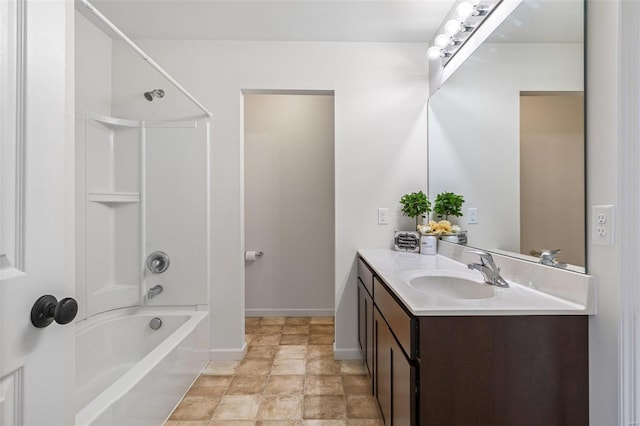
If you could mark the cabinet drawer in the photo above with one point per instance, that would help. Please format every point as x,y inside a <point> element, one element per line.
<point>366,275</point>
<point>399,321</point>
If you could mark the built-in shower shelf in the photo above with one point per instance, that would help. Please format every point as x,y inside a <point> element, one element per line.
<point>114,197</point>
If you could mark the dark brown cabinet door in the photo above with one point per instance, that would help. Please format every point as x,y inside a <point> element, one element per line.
<point>365,327</point>
<point>369,340</point>
<point>393,376</point>
<point>362,321</point>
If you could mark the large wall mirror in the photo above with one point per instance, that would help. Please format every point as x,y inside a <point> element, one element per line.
<point>506,131</point>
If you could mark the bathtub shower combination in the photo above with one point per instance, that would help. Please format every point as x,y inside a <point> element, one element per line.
<point>142,325</point>
<point>142,264</point>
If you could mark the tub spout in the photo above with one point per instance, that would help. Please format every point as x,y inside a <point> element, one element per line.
<point>154,291</point>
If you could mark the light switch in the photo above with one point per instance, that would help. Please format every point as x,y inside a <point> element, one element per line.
<point>383,216</point>
<point>472,215</point>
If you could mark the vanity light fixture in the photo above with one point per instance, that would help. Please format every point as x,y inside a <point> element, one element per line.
<point>468,16</point>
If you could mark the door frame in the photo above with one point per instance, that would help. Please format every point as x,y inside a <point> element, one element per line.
<point>629,202</point>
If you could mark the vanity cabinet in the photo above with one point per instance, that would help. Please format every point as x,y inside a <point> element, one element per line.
<point>471,370</point>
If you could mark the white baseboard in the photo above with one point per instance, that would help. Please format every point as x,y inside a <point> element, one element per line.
<point>227,354</point>
<point>284,312</point>
<point>344,354</point>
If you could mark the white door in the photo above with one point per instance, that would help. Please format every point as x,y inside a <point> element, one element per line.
<point>36,222</point>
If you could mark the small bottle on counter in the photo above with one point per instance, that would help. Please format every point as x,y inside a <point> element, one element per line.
<point>428,244</point>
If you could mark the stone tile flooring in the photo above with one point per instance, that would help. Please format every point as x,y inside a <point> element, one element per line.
<point>287,378</point>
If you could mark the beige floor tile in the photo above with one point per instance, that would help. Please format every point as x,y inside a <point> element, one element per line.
<point>294,339</point>
<point>252,321</point>
<point>356,385</point>
<point>269,387</point>
<point>273,321</point>
<point>321,339</point>
<point>220,368</point>
<point>280,407</point>
<point>324,407</point>
<point>251,329</point>
<point>295,329</point>
<point>195,408</point>
<point>322,320</point>
<point>247,385</point>
<point>237,407</point>
<point>316,351</point>
<point>352,367</point>
<point>265,352</point>
<point>254,366</point>
<point>323,385</point>
<point>269,329</point>
<point>285,385</point>
<point>209,386</point>
<point>298,320</point>
<point>288,366</point>
<point>291,352</point>
<point>361,407</point>
<point>272,339</point>
<point>322,366</point>
<point>321,329</point>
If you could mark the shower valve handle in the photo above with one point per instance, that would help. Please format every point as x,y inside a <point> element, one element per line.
<point>158,262</point>
<point>48,309</point>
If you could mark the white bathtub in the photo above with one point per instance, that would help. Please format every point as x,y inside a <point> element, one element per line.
<point>129,374</point>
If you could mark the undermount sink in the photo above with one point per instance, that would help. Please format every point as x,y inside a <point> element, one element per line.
<point>452,287</point>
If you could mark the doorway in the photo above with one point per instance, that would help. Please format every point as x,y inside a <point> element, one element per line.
<point>289,203</point>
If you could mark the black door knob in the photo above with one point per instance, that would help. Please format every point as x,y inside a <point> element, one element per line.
<point>47,309</point>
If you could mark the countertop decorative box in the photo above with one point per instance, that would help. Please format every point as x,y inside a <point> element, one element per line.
<point>408,241</point>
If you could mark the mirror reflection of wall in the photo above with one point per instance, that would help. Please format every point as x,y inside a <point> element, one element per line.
<point>552,174</point>
<point>475,134</point>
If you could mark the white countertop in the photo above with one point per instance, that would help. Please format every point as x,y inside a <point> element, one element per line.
<point>534,290</point>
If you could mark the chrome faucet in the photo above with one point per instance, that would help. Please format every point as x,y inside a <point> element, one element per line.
<point>548,257</point>
<point>154,291</point>
<point>487,267</point>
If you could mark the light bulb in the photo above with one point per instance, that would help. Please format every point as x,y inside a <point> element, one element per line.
<point>464,10</point>
<point>434,52</point>
<point>442,41</point>
<point>452,27</point>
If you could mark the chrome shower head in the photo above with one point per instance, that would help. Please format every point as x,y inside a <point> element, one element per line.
<point>156,93</point>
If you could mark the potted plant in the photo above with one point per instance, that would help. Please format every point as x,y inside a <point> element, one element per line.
<point>448,204</point>
<point>415,205</point>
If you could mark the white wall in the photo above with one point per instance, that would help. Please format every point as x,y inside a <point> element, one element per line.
<point>380,145</point>
<point>603,144</point>
<point>479,106</point>
<point>92,94</point>
<point>176,212</point>
<point>289,204</point>
<point>93,68</point>
<point>175,196</point>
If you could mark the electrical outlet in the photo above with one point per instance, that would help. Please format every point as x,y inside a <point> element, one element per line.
<point>472,215</point>
<point>383,216</point>
<point>602,225</point>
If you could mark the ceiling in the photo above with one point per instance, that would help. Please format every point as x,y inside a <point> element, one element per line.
<point>269,20</point>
